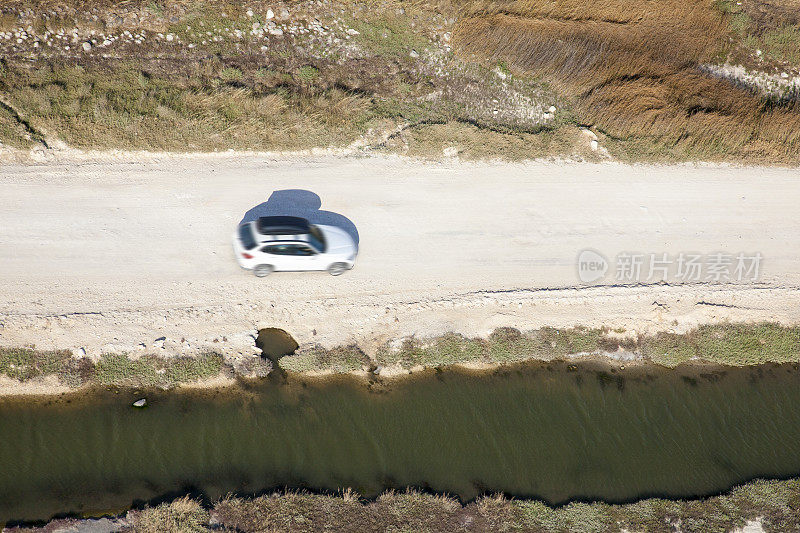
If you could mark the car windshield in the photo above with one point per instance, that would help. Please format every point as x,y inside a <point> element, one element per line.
<point>246,236</point>
<point>316,238</point>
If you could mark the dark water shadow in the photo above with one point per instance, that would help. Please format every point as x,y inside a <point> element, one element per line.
<point>301,203</point>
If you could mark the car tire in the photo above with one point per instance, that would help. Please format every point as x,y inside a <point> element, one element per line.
<point>263,270</point>
<point>337,269</point>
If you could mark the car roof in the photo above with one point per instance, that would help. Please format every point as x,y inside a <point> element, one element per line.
<point>282,225</point>
<point>284,239</point>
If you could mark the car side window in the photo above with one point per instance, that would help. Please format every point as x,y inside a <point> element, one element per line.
<point>288,249</point>
<point>276,249</point>
<point>302,249</point>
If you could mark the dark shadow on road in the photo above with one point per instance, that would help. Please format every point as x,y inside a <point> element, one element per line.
<point>301,203</point>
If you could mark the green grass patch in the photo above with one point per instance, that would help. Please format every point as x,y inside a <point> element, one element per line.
<point>730,344</point>
<point>388,35</point>
<point>25,364</point>
<point>340,359</point>
<point>148,370</point>
<point>155,371</point>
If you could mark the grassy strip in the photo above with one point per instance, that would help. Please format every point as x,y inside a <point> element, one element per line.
<point>775,503</point>
<point>729,344</point>
<point>112,369</point>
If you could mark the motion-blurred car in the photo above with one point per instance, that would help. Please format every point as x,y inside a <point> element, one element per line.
<point>283,243</point>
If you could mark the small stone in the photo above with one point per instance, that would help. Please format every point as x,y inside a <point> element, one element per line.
<point>78,352</point>
<point>159,342</point>
<point>140,403</point>
<point>170,37</point>
<point>284,14</point>
<point>552,109</point>
<point>276,31</point>
<point>351,31</point>
<point>270,14</point>
<point>784,75</point>
<point>593,144</point>
<point>249,12</point>
<point>414,54</point>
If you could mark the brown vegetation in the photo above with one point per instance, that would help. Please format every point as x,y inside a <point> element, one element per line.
<point>632,70</point>
<point>773,504</point>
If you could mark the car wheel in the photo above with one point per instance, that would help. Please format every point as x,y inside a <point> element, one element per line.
<point>263,270</point>
<point>337,269</point>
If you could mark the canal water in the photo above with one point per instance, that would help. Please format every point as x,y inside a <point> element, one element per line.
<point>546,430</point>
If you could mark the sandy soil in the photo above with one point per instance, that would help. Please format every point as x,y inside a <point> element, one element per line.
<point>111,253</point>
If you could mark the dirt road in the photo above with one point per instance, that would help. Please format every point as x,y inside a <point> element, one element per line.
<point>112,254</point>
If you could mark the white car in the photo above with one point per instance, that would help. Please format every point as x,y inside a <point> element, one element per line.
<point>282,243</point>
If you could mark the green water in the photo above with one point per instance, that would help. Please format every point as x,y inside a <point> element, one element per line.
<point>538,430</point>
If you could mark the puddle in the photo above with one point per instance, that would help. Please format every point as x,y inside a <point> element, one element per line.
<point>274,343</point>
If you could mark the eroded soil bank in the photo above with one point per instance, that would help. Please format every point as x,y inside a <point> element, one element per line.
<point>554,431</point>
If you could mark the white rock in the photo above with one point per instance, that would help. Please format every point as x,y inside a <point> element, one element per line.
<point>78,352</point>
<point>414,54</point>
<point>284,14</point>
<point>593,144</point>
<point>552,109</point>
<point>270,14</point>
<point>351,31</point>
<point>140,403</point>
<point>276,31</point>
<point>249,12</point>
<point>784,75</point>
<point>159,342</point>
<point>170,37</point>
<point>450,151</point>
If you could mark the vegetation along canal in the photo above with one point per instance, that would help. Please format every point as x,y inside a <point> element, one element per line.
<point>548,430</point>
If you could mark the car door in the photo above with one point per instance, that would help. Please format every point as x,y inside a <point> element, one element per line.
<point>291,257</point>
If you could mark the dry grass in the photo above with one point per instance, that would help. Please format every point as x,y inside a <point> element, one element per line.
<point>774,503</point>
<point>183,515</point>
<point>632,72</point>
<point>100,106</point>
<point>628,69</point>
<point>468,141</point>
